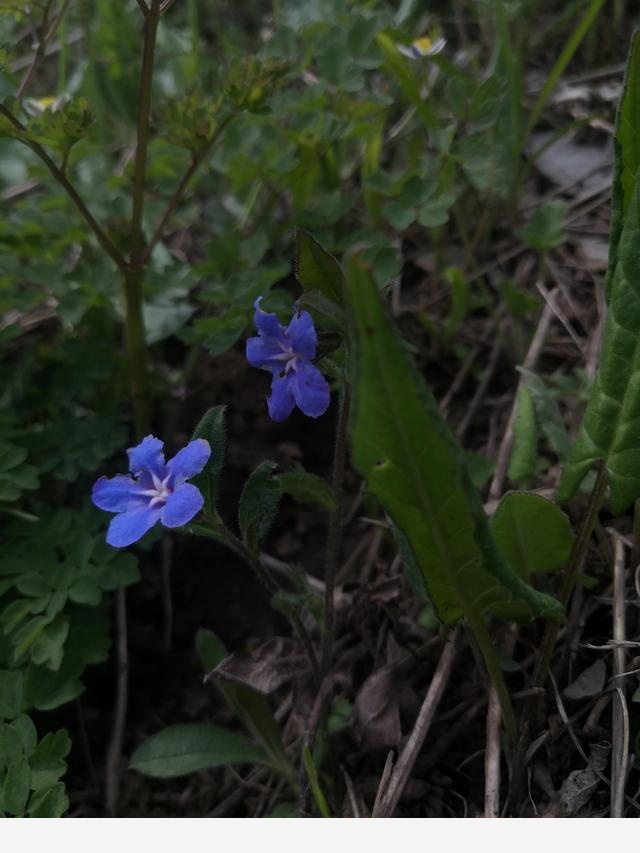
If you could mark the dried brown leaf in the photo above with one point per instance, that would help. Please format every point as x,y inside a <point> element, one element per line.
<point>265,668</point>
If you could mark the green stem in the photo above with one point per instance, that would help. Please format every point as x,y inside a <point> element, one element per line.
<point>137,352</point>
<point>334,537</point>
<point>134,276</point>
<point>152,19</point>
<point>68,187</point>
<point>491,661</point>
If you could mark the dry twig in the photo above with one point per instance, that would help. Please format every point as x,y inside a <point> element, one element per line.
<point>619,717</point>
<point>386,804</point>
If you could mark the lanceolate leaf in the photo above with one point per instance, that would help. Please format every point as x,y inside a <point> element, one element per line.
<point>412,464</point>
<point>627,152</point>
<point>189,747</point>
<point>609,429</point>
<point>259,503</point>
<point>522,465</point>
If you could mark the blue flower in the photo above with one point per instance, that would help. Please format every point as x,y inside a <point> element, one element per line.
<point>156,492</point>
<point>287,355</point>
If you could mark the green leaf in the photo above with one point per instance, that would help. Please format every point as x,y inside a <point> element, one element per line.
<point>51,802</point>
<point>399,67</point>
<point>609,428</point>
<point>48,648</point>
<point>11,693</point>
<point>545,228</point>
<point>411,463</point>
<point>189,747</point>
<point>212,429</point>
<point>47,762</point>
<point>15,790</point>
<point>316,269</point>
<point>548,414</point>
<point>522,465</point>
<point>26,730</point>
<point>626,145</point>
<point>11,747</point>
<point>532,532</point>
<point>259,503</point>
<point>210,649</point>
<point>324,311</point>
<point>85,591</point>
<point>460,300</point>
<point>312,774</point>
<point>307,488</point>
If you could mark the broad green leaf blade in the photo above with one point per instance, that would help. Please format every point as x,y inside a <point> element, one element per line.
<point>189,747</point>
<point>259,503</point>
<point>212,429</point>
<point>533,533</point>
<point>609,429</point>
<point>412,464</point>
<point>317,270</point>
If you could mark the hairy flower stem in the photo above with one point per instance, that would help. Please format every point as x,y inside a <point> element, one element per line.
<point>334,537</point>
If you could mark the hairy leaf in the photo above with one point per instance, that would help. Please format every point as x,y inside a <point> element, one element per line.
<point>259,503</point>
<point>212,429</point>
<point>609,428</point>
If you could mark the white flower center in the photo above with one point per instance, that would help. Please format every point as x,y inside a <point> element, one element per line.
<point>160,492</point>
<point>289,357</point>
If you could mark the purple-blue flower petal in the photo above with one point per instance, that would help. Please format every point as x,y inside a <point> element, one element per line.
<point>265,353</point>
<point>181,506</point>
<point>128,527</point>
<point>189,461</point>
<point>118,494</point>
<point>147,456</point>
<point>302,335</point>
<point>267,324</point>
<point>281,400</point>
<point>310,390</point>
